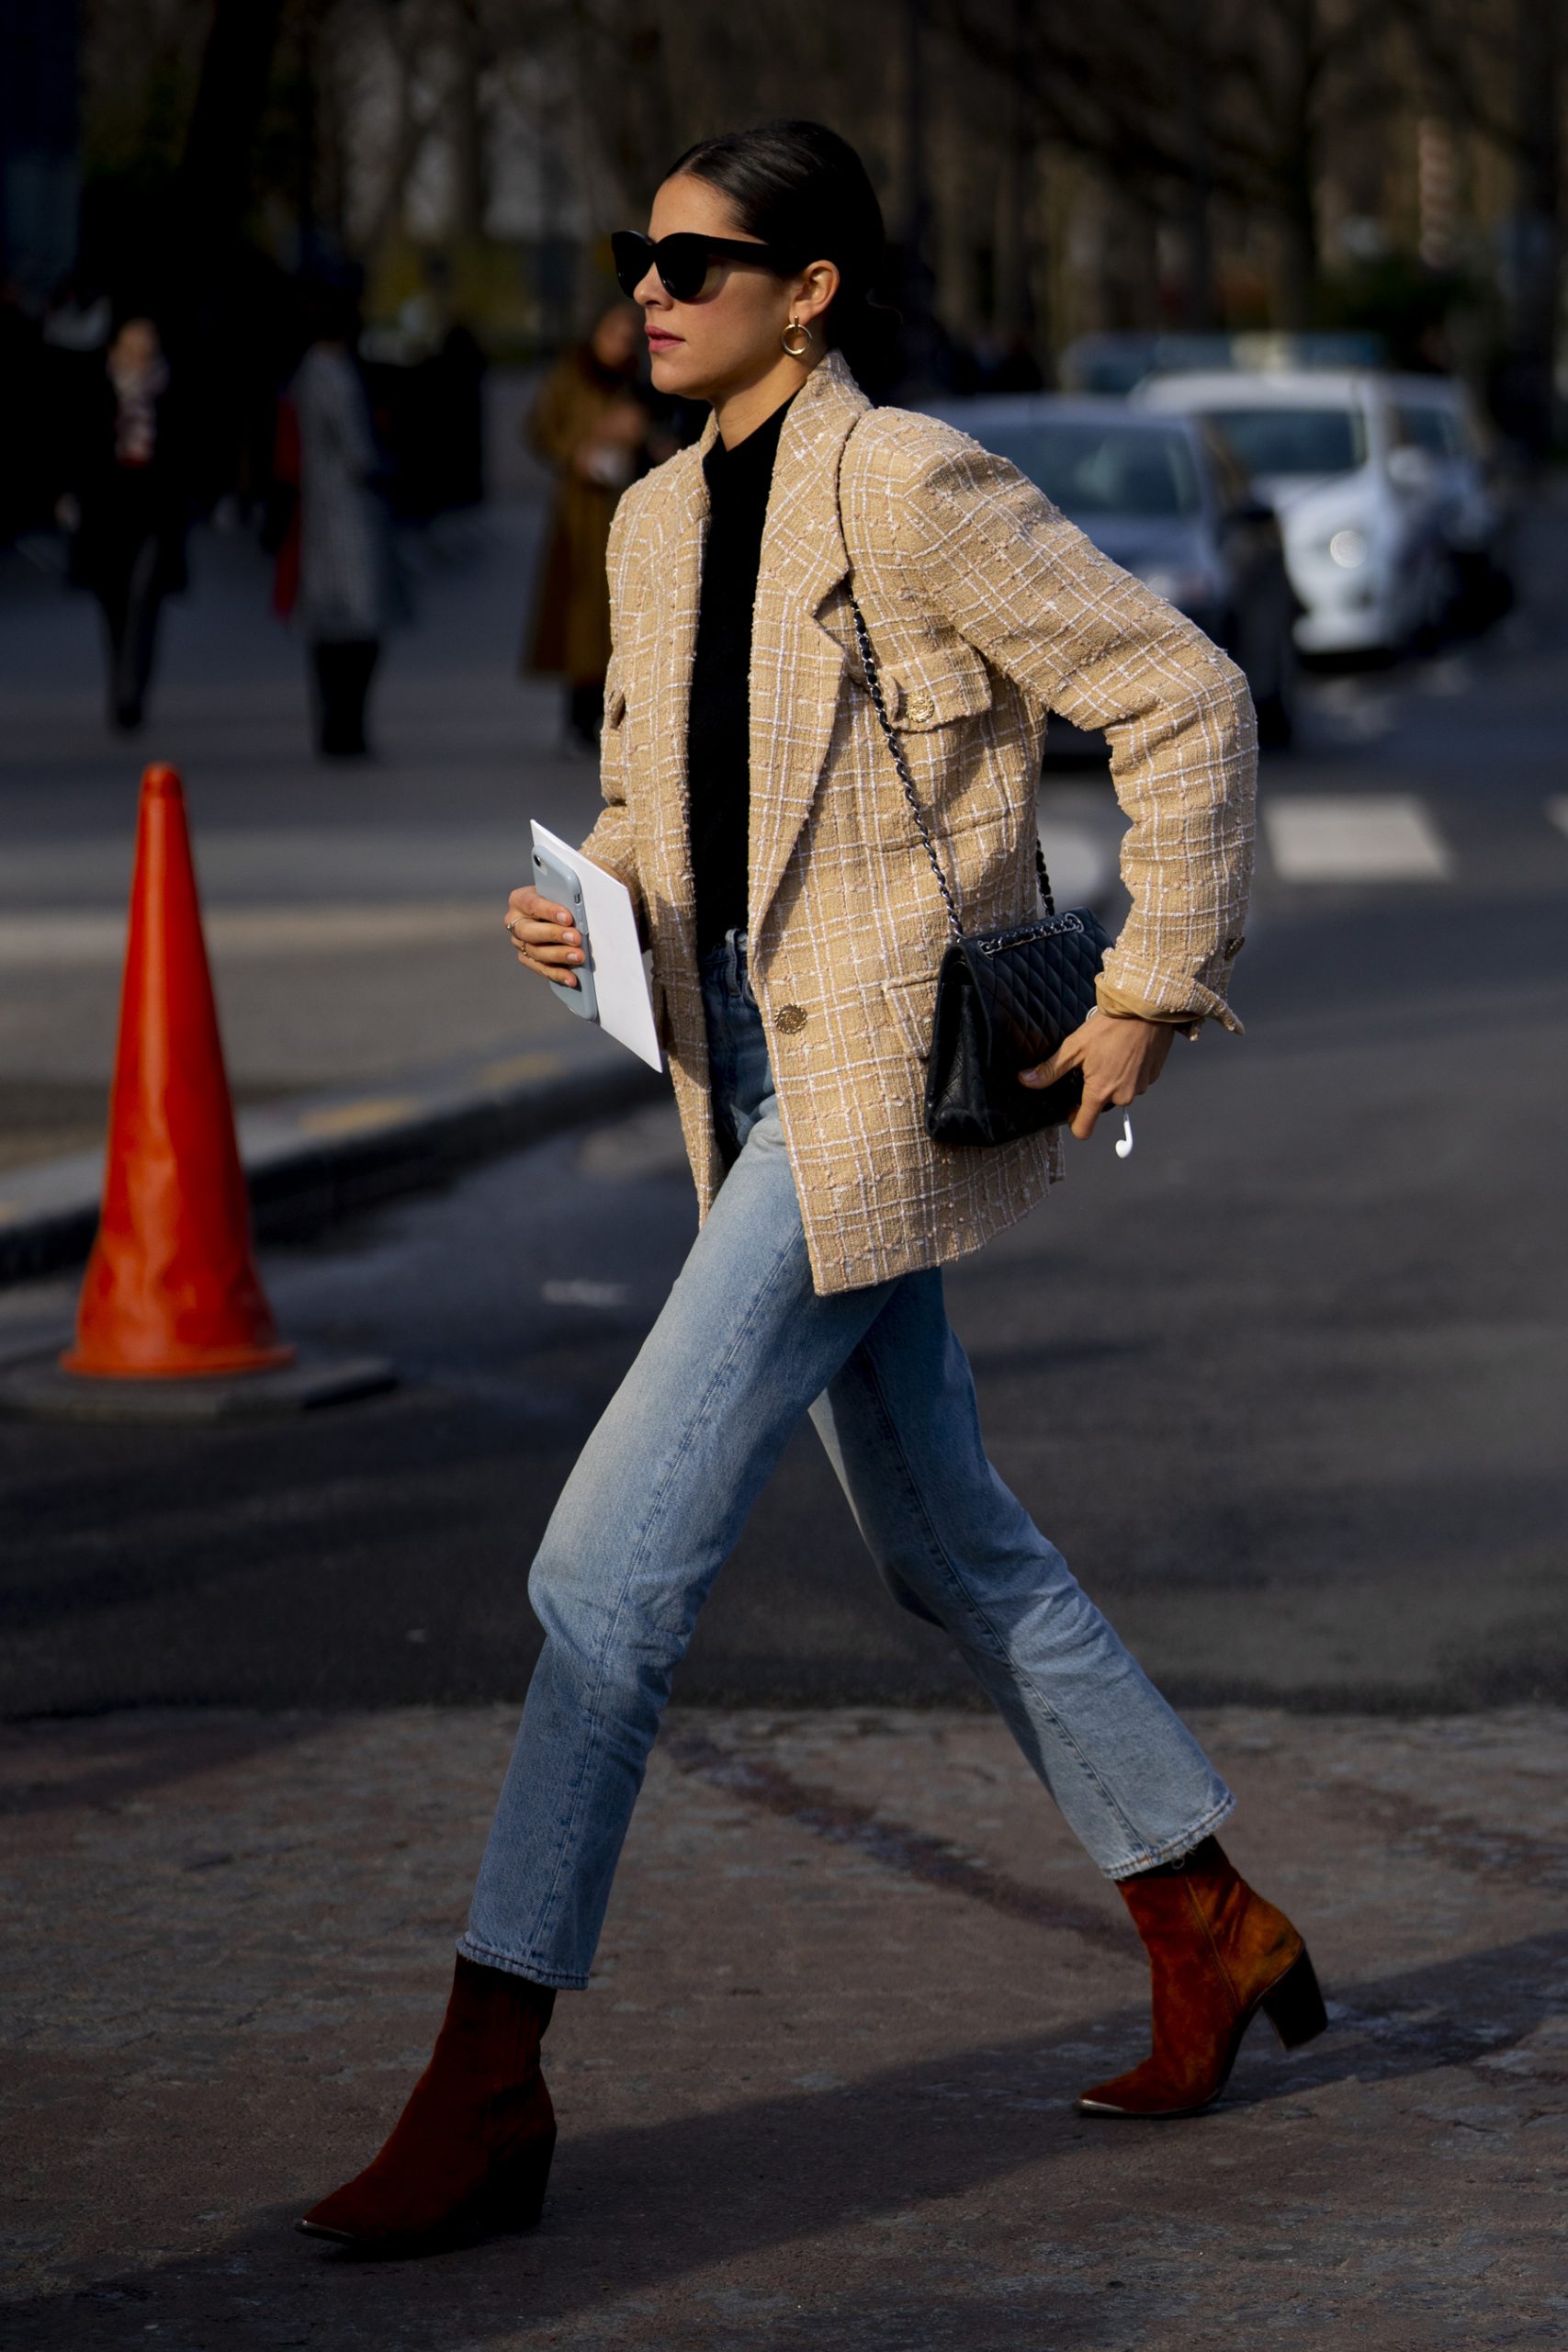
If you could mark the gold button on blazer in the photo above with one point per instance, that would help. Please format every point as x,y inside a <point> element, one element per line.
<point>987,610</point>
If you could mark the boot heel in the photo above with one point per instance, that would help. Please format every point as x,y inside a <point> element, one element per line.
<point>1295,2007</point>
<point>515,2196</point>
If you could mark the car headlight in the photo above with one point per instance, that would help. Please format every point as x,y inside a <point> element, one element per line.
<point>1349,550</point>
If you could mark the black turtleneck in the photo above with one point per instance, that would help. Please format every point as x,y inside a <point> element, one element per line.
<point>719,722</point>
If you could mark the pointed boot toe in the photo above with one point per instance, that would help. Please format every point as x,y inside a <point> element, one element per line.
<point>1142,2091</point>
<point>470,2157</point>
<point>499,2199</point>
<point>354,2215</point>
<point>332,2218</point>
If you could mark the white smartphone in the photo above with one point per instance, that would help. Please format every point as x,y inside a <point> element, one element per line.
<point>554,882</point>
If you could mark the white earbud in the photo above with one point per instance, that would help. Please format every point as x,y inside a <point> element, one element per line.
<point>1124,1141</point>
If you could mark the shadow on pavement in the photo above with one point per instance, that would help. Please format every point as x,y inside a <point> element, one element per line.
<point>126,1757</point>
<point>636,2211</point>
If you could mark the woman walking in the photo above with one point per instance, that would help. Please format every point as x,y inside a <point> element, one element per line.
<point>129,498</point>
<point>796,931</point>
<point>334,566</point>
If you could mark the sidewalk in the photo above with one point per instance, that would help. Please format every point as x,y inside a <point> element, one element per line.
<point>353,913</point>
<point>819,2093</point>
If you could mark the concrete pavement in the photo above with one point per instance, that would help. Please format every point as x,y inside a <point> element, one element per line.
<point>819,2093</point>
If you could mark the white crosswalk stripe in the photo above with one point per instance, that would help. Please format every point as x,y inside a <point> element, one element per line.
<point>1369,837</point>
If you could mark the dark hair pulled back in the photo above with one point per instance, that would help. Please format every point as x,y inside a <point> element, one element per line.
<point>798,185</point>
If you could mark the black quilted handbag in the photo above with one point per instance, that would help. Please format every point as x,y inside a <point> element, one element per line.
<point>1005,999</point>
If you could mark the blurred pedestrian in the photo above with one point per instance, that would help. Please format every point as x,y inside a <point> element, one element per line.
<point>29,483</point>
<point>590,425</point>
<point>797,916</point>
<point>126,501</point>
<point>335,563</point>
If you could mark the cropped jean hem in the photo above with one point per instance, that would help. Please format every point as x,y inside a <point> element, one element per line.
<point>1170,1850</point>
<point>560,1980</point>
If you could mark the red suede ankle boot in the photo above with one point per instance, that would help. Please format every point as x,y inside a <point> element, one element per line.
<point>1218,1953</point>
<point>471,2154</point>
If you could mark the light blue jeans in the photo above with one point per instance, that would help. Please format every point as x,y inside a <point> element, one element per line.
<point>660,1494</point>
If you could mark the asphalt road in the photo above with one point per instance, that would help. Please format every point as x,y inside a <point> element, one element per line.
<point>1288,1387</point>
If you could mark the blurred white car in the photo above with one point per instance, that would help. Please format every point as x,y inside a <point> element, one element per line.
<point>1358,503</point>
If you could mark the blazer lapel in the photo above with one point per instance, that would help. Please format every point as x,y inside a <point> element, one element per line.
<point>797,665</point>
<point>678,568</point>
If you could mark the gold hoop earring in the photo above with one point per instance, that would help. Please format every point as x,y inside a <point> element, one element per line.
<point>797,350</point>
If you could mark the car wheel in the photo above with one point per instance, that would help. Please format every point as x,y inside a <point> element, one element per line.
<point>1441,597</point>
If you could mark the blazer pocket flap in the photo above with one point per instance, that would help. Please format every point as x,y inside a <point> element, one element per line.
<point>616,709</point>
<point>937,693</point>
<point>911,1007</point>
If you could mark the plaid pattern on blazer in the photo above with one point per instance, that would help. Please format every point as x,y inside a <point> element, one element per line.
<point>987,609</point>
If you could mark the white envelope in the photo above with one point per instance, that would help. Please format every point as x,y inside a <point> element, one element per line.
<point>615,954</point>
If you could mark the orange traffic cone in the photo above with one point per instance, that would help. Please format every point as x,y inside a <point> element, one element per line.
<point>171,1288</point>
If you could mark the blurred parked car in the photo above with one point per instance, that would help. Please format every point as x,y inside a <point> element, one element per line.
<point>1164,498</point>
<point>1358,503</point>
<point>1437,417</point>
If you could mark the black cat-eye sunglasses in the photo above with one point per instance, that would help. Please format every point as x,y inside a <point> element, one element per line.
<point>684,260</point>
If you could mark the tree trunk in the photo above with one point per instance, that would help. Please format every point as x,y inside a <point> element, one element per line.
<point>1300,260</point>
<point>215,169</point>
<point>1201,306</point>
<point>916,284</point>
<point>1535,232</point>
<point>466,126</point>
<point>1013,313</point>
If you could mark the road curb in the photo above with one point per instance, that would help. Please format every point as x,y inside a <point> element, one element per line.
<point>313,1159</point>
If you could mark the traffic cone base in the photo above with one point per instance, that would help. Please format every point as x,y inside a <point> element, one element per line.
<point>171,1290</point>
<point>190,1366</point>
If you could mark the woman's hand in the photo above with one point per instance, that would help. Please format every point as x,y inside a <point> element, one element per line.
<point>608,457</point>
<point>1119,1056</point>
<point>544,936</point>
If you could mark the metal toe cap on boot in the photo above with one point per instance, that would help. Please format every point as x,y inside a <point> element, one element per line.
<point>336,2217</point>
<point>1141,2095</point>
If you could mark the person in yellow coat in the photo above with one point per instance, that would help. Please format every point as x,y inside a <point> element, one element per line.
<point>591,427</point>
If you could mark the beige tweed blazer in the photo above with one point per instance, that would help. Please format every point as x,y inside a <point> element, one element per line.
<point>987,609</point>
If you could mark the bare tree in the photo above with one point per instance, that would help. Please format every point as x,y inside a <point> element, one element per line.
<point>1178,107</point>
<point>1500,66</point>
<point>215,169</point>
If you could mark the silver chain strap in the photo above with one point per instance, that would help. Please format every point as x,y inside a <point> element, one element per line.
<point>873,681</point>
